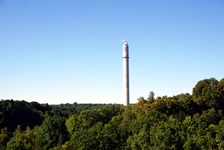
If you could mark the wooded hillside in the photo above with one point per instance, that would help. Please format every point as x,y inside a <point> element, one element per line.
<point>183,121</point>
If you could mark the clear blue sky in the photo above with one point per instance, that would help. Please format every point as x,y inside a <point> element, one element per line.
<point>55,51</point>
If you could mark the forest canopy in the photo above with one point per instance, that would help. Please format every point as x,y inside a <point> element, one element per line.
<point>184,121</point>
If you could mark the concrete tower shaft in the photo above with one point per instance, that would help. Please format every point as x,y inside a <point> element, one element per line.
<point>126,73</point>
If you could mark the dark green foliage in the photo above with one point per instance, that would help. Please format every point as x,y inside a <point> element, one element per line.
<point>4,138</point>
<point>67,110</point>
<point>52,132</point>
<point>14,113</point>
<point>181,122</point>
<point>151,98</point>
<point>209,93</point>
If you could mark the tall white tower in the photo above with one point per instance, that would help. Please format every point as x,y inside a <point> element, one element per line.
<point>126,73</point>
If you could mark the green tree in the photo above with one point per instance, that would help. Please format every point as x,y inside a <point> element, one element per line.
<point>116,133</point>
<point>72,124</point>
<point>4,138</point>
<point>151,97</point>
<point>23,139</point>
<point>52,132</point>
<point>166,135</point>
<point>208,93</point>
<point>140,140</point>
<point>220,134</point>
<point>17,142</point>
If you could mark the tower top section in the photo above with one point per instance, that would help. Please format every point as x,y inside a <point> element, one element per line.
<point>125,42</point>
<point>125,50</point>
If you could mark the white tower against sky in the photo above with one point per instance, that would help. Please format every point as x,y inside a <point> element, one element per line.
<point>126,73</point>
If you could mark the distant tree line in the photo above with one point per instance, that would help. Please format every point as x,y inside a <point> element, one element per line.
<point>180,122</point>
